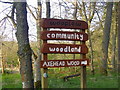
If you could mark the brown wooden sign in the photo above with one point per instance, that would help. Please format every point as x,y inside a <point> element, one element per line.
<point>63,35</point>
<point>63,23</point>
<point>64,63</point>
<point>64,48</point>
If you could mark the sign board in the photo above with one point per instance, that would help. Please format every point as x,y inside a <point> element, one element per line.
<point>64,63</point>
<point>64,48</point>
<point>63,23</point>
<point>63,35</point>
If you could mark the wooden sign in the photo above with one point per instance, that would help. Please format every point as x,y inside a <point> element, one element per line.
<point>64,63</point>
<point>63,23</point>
<point>64,48</point>
<point>63,35</point>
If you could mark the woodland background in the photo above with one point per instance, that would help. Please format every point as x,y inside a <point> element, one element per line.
<point>23,52</point>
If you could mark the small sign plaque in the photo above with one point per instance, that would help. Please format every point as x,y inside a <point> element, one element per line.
<point>63,23</point>
<point>64,48</point>
<point>63,35</point>
<point>64,63</point>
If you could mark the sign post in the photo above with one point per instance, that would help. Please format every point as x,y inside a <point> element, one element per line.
<point>64,48</point>
<point>83,70</point>
<point>44,70</point>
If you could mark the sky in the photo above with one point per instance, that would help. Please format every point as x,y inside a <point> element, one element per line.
<point>7,29</point>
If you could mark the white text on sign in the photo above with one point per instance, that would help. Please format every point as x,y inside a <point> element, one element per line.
<point>64,63</point>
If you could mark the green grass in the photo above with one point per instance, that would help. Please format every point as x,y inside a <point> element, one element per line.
<point>0,81</point>
<point>97,81</point>
<point>11,81</point>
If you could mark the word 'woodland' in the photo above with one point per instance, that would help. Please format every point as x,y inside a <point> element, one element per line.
<point>66,49</point>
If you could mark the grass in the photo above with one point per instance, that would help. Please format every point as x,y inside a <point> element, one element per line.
<point>0,81</point>
<point>99,81</point>
<point>11,81</point>
<point>96,81</point>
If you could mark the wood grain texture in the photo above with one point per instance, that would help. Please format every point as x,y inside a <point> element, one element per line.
<point>64,63</point>
<point>64,48</point>
<point>64,35</point>
<point>63,23</point>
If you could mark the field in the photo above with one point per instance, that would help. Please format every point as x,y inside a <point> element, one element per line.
<point>56,81</point>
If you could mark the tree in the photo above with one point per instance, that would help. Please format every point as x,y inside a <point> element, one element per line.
<point>1,58</point>
<point>24,50</point>
<point>118,39</point>
<point>89,19</point>
<point>106,37</point>
<point>114,37</point>
<point>37,73</point>
<point>44,70</point>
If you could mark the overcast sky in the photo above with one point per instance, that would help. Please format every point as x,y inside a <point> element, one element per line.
<point>7,30</point>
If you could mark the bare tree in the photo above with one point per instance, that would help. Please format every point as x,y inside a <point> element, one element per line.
<point>37,72</point>
<point>89,19</point>
<point>106,37</point>
<point>118,44</point>
<point>1,58</point>
<point>114,39</point>
<point>24,49</point>
<point>44,71</point>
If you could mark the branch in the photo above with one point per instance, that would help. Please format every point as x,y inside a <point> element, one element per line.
<point>99,19</point>
<point>13,21</point>
<point>6,2</point>
<point>75,11</point>
<point>13,11</point>
<point>3,19</point>
<point>12,16</point>
<point>91,17</point>
<point>5,9</point>
<point>34,55</point>
<point>31,12</point>
<point>84,10</point>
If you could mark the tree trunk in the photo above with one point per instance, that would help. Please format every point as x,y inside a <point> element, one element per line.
<point>106,37</point>
<point>119,45</point>
<point>24,50</point>
<point>114,50</point>
<point>119,38</point>
<point>91,51</point>
<point>1,58</point>
<point>114,35</point>
<point>89,20</point>
<point>75,18</point>
<point>48,10</point>
<point>37,73</point>
<point>45,57</point>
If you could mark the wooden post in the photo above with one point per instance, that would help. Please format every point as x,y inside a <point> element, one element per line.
<point>44,70</point>
<point>83,77</point>
<point>1,58</point>
<point>83,71</point>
